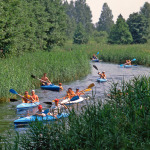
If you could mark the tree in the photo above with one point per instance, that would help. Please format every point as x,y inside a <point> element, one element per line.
<point>80,36</point>
<point>106,19</point>
<point>120,33</point>
<point>138,26</point>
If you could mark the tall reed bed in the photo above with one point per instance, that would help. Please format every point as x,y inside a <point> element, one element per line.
<point>117,53</point>
<point>122,123</point>
<point>60,66</point>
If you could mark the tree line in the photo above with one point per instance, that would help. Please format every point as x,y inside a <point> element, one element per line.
<point>31,25</point>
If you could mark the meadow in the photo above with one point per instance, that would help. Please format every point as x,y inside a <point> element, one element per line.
<point>60,66</point>
<point>122,123</point>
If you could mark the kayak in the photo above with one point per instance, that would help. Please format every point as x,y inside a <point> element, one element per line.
<point>127,66</point>
<point>101,80</point>
<point>68,101</point>
<point>51,87</point>
<point>29,119</point>
<point>27,105</point>
<point>95,60</point>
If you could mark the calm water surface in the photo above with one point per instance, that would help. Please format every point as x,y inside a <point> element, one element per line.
<point>114,73</point>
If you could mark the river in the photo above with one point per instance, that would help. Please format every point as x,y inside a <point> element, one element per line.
<point>114,73</point>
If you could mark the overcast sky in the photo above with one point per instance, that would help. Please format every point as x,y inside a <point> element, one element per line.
<point>124,7</point>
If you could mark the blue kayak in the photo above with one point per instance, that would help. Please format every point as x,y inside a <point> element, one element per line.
<point>27,105</point>
<point>101,80</point>
<point>51,87</point>
<point>128,66</point>
<point>29,119</point>
<point>95,60</point>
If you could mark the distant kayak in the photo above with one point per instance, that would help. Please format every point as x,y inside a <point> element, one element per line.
<point>29,119</point>
<point>95,60</point>
<point>68,101</point>
<point>51,87</point>
<point>128,66</point>
<point>27,105</point>
<point>101,80</point>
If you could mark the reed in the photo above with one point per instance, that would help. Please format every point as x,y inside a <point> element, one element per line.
<point>121,123</point>
<point>60,66</point>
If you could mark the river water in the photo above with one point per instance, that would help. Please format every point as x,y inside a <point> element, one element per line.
<point>114,73</point>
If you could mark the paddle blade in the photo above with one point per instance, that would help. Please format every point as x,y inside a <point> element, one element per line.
<point>33,76</point>
<point>13,100</point>
<point>74,98</point>
<point>49,103</point>
<point>95,67</point>
<point>87,90</point>
<point>91,85</point>
<point>13,91</point>
<point>133,59</point>
<point>97,53</point>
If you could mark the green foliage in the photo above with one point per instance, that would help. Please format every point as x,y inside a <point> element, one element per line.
<point>138,26</point>
<point>80,37</point>
<point>61,66</point>
<point>106,19</point>
<point>121,123</point>
<point>100,37</point>
<point>120,33</point>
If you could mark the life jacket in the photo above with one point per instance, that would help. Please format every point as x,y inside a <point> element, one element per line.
<point>24,99</point>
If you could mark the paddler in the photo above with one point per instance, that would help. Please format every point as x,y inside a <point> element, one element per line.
<point>94,57</point>
<point>57,109</point>
<point>102,75</point>
<point>128,62</point>
<point>45,78</point>
<point>70,94</point>
<point>25,97</point>
<point>78,93</point>
<point>40,111</point>
<point>34,97</point>
<point>60,86</point>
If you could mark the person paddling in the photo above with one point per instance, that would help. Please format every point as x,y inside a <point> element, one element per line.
<point>128,62</point>
<point>40,112</point>
<point>70,94</point>
<point>25,97</point>
<point>94,57</point>
<point>45,78</point>
<point>60,86</point>
<point>78,93</point>
<point>102,75</point>
<point>34,97</point>
<point>56,109</point>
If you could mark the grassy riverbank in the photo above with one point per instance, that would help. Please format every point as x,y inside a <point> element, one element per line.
<point>122,123</point>
<point>60,66</point>
<point>117,53</point>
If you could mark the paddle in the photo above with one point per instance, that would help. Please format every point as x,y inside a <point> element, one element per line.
<point>97,53</point>
<point>38,79</point>
<point>14,92</point>
<point>96,68</point>
<point>134,59</point>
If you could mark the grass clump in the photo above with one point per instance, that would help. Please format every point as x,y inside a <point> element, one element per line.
<point>122,123</point>
<point>60,66</point>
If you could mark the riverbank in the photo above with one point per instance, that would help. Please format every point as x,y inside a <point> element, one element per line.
<point>116,53</point>
<point>121,123</point>
<point>60,66</point>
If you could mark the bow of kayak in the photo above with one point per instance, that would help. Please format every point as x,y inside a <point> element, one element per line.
<point>27,105</point>
<point>51,87</point>
<point>29,119</point>
<point>95,60</point>
<point>101,80</point>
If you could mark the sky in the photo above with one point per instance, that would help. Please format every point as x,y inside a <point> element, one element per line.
<point>123,7</point>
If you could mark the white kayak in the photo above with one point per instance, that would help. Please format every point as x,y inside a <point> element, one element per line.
<point>27,105</point>
<point>68,101</point>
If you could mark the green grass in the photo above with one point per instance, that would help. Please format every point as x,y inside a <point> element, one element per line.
<point>122,123</point>
<point>60,66</point>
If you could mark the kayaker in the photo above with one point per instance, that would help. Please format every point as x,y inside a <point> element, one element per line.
<point>57,109</point>
<point>34,97</point>
<point>45,78</point>
<point>128,62</point>
<point>70,94</point>
<point>40,111</point>
<point>94,57</point>
<point>102,75</point>
<point>25,97</point>
<point>78,93</point>
<point>60,85</point>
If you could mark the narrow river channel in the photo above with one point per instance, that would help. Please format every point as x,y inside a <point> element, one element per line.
<point>114,73</point>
